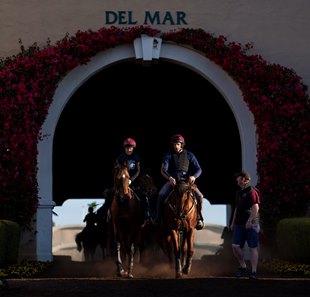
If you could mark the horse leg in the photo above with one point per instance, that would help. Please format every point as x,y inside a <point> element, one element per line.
<point>119,266</point>
<point>188,264</point>
<point>189,255</point>
<point>168,248</point>
<point>86,254</point>
<point>93,253</point>
<point>131,260</point>
<point>178,265</point>
<point>79,246</point>
<point>177,255</point>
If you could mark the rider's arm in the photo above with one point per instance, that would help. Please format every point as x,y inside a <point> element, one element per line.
<point>132,178</point>
<point>165,166</point>
<point>165,173</point>
<point>164,170</point>
<point>195,166</point>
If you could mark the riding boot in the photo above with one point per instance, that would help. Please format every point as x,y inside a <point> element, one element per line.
<point>200,223</point>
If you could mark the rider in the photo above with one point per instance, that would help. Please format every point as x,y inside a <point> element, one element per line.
<point>179,164</point>
<point>133,164</point>
<point>90,218</point>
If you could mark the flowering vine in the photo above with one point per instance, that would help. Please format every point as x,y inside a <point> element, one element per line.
<point>275,95</point>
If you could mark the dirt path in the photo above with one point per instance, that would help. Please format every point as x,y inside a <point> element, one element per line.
<point>210,286</point>
<point>207,278</point>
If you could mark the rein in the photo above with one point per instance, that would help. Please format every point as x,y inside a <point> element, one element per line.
<point>182,215</point>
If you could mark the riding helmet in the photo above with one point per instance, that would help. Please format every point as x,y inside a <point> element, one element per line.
<point>129,142</point>
<point>177,138</point>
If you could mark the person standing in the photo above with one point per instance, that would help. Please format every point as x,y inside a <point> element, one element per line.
<point>179,164</point>
<point>245,224</point>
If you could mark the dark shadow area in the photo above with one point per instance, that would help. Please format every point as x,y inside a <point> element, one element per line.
<point>149,104</point>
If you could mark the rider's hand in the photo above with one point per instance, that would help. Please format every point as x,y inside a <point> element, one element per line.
<point>172,181</point>
<point>192,179</point>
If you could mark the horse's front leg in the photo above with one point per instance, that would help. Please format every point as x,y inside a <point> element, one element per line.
<point>178,264</point>
<point>131,260</point>
<point>168,247</point>
<point>119,265</point>
<point>189,254</point>
<point>177,254</point>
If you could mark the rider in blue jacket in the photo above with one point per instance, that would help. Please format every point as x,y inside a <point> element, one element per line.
<point>179,164</point>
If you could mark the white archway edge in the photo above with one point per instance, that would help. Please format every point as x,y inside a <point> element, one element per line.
<point>175,53</point>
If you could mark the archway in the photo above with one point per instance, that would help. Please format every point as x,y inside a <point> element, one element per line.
<point>90,130</point>
<point>173,53</point>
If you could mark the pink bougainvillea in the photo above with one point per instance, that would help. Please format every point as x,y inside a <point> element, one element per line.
<point>275,95</point>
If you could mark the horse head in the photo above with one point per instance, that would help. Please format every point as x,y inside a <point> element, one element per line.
<point>122,180</point>
<point>182,202</point>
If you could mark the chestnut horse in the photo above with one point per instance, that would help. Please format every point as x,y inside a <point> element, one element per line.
<point>179,222</point>
<point>127,221</point>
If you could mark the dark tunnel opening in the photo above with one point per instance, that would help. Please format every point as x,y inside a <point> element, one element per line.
<point>149,104</point>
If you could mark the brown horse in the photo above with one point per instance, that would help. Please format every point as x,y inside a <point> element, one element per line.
<point>87,240</point>
<point>126,219</point>
<point>179,222</point>
<point>148,244</point>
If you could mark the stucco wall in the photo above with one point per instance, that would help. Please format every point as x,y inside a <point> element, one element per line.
<point>278,28</point>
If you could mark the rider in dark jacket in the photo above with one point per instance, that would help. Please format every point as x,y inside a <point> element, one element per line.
<point>133,164</point>
<point>179,164</point>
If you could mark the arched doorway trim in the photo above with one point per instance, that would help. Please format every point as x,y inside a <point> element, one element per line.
<point>175,53</point>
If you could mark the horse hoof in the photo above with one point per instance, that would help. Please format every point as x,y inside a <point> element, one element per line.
<point>130,275</point>
<point>178,275</point>
<point>121,273</point>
